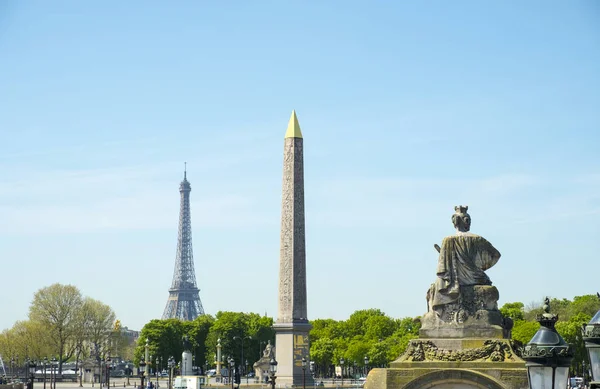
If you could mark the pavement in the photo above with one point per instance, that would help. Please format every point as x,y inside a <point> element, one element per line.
<point>164,383</point>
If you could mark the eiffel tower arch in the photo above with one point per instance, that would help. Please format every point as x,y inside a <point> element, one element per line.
<point>184,296</point>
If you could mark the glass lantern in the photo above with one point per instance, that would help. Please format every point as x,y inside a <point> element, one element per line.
<point>547,354</point>
<point>591,337</point>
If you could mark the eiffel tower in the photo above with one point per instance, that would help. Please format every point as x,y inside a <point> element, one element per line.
<point>184,299</point>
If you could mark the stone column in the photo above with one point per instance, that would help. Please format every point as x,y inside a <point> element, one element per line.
<point>292,326</point>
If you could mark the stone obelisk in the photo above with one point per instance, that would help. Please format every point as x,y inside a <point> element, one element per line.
<point>292,326</point>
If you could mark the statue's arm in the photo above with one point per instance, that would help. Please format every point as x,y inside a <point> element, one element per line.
<point>437,247</point>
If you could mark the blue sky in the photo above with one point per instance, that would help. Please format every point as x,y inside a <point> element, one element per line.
<point>407,109</point>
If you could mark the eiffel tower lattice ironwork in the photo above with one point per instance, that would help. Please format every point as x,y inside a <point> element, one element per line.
<point>184,298</point>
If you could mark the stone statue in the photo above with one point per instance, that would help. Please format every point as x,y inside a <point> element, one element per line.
<point>462,290</point>
<point>187,345</point>
<point>268,351</point>
<point>463,260</point>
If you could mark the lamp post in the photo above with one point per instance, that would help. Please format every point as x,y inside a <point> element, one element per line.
<point>44,364</point>
<point>591,337</point>
<point>272,371</point>
<point>366,365</point>
<point>242,338</point>
<point>303,373</point>
<point>219,359</point>
<point>171,365</point>
<point>147,358</point>
<point>127,373</point>
<point>231,368</point>
<point>342,365</point>
<point>53,373</point>
<point>108,372</point>
<point>31,367</point>
<point>547,355</point>
<point>156,371</point>
<point>142,370</point>
<point>100,371</point>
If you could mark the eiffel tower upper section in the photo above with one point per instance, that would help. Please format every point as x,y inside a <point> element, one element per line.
<point>184,299</point>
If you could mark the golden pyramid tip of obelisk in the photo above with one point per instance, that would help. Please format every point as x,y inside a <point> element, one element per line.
<point>293,129</point>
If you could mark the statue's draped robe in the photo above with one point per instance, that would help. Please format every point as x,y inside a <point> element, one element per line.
<point>462,261</point>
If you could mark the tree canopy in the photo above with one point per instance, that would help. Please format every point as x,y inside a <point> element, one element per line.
<point>62,324</point>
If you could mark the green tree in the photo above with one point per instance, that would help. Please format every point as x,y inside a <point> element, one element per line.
<point>379,327</point>
<point>56,308</point>
<point>321,353</point>
<point>241,326</point>
<point>326,328</point>
<point>165,339</point>
<point>356,323</point>
<point>571,332</point>
<point>588,304</point>
<point>524,330</point>
<point>513,310</point>
<point>198,333</point>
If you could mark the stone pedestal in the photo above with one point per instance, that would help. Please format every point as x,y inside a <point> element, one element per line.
<point>474,315</point>
<point>292,345</point>
<point>453,363</point>
<point>186,363</point>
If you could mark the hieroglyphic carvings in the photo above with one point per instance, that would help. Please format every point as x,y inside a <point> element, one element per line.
<point>292,268</point>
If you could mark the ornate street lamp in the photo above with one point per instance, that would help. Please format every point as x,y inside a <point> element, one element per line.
<point>342,365</point>
<point>156,371</point>
<point>547,354</point>
<point>141,370</point>
<point>31,367</point>
<point>591,337</point>
<point>171,365</point>
<point>44,364</point>
<point>108,372</point>
<point>366,360</point>
<point>53,372</point>
<point>272,371</point>
<point>303,373</point>
<point>231,370</point>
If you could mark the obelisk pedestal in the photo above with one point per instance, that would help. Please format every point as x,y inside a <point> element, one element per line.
<point>292,326</point>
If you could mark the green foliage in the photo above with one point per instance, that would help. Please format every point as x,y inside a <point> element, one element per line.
<point>513,310</point>
<point>571,332</point>
<point>523,330</point>
<point>236,330</point>
<point>322,351</point>
<point>57,308</point>
<point>62,324</point>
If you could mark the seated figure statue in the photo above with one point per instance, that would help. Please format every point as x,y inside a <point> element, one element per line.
<point>462,296</point>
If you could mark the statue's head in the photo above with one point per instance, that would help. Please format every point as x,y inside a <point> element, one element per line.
<point>461,219</point>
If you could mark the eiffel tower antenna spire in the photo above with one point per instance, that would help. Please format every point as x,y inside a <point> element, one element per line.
<point>184,297</point>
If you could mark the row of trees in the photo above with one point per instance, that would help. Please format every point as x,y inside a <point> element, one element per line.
<point>69,327</point>
<point>65,325</point>
<point>366,333</point>
<point>236,330</point>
